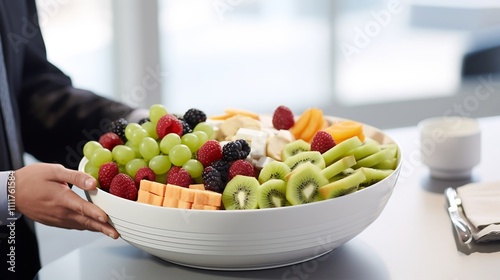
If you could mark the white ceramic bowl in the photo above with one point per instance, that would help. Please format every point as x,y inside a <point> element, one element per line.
<point>248,239</point>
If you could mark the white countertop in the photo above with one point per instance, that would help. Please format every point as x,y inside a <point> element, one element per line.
<point>412,239</point>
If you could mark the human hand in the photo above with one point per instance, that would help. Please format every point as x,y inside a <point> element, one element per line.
<point>42,194</point>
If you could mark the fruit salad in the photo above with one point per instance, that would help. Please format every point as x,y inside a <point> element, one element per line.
<point>237,160</point>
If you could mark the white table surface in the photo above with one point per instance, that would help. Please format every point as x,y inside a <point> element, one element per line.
<point>412,239</point>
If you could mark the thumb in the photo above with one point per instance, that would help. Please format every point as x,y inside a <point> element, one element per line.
<point>77,178</point>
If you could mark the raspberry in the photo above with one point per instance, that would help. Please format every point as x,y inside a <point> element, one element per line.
<point>109,140</point>
<point>194,116</point>
<point>223,167</point>
<point>107,172</point>
<point>322,142</point>
<point>238,149</point>
<point>118,127</point>
<point>168,124</point>
<point>123,186</point>
<point>209,152</point>
<point>179,177</point>
<point>144,173</point>
<point>241,167</point>
<point>283,118</point>
<point>212,179</point>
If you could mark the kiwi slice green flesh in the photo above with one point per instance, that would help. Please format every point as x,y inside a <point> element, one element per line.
<point>374,175</point>
<point>377,157</point>
<point>313,157</point>
<point>272,193</point>
<point>339,150</point>
<point>303,184</point>
<point>346,185</point>
<point>368,148</point>
<point>338,166</point>
<point>391,163</point>
<point>274,170</point>
<point>294,148</point>
<point>241,193</point>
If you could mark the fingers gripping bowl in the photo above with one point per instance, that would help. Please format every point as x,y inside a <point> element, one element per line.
<point>249,239</point>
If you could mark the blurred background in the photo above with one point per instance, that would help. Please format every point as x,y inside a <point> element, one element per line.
<point>387,63</point>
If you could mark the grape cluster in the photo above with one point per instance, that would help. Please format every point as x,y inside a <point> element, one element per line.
<point>142,147</point>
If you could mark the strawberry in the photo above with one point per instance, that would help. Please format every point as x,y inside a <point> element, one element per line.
<point>283,118</point>
<point>179,176</point>
<point>109,140</point>
<point>107,172</point>
<point>209,152</point>
<point>322,142</point>
<point>144,173</point>
<point>169,124</point>
<point>123,186</point>
<point>241,167</point>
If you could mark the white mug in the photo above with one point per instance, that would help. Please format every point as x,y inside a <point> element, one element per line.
<point>450,146</point>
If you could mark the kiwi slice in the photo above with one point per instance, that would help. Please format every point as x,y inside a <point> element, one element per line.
<point>272,193</point>
<point>313,157</point>
<point>303,184</point>
<point>368,148</point>
<point>377,157</point>
<point>339,150</point>
<point>346,185</point>
<point>274,170</point>
<point>374,175</point>
<point>338,166</point>
<point>241,193</point>
<point>391,163</point>
<point>294,148</point>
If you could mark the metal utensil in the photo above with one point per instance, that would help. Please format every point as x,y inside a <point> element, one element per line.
<point>461,227</point>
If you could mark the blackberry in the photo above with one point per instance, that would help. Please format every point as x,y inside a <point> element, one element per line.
<point>212,180</point>
<point>143,120</point>
<point>185,127</point>
<point>223,167</point>
<point>245,148</point>
<point>118,127</point>
<point>235,150</point>
<point>231,152</point>
<point>194,117</point>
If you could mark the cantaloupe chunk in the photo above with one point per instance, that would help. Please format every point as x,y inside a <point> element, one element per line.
<point>143,196</point>
<point>157,188</point>
<point>145,185</point>
<point>234,112</point>
<point>210,207</point>
<point>301,123</point>
<point>184,205</point>
<point>173,191</point>
<point>187,195</point>
<point>214,199</point>
<point>315,124</point>
<point>201,197</point>
<point>170,202</point>
<point>198,207</point>
<point>197,186</point>
<point>343,130</point>
<point>156,200</point>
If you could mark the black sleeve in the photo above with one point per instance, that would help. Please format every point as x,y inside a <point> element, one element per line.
<point>58,119</point>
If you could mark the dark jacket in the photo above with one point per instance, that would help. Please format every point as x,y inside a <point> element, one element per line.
<point>53,119</point>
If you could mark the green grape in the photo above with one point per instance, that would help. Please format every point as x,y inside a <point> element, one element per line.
<point>202,137</point>
<point>170,140</point>
<point>161,178</point>
<point>137,135</point>
<point>91,170</point>
<point>134,147</point>
<point>122,169</point>
<point>160,164</point>
<point>100,156</point>
<point>123,154</point>
<point>149,148</point>
<point>89,147</point>
<point>151,129</point>
<point>205,127</point>
<point>179,154</point>
<point>156,111</point>
<point>192,141</point>
<point>131,127</point>
<point>193,167</point>
<point>132,166</point>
